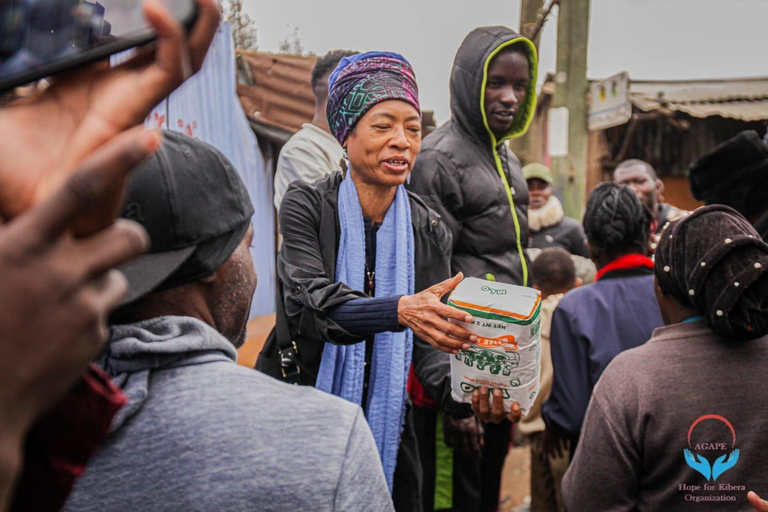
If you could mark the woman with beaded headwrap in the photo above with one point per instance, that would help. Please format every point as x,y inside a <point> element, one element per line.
<point>362,268</point>
<point>687,409</point>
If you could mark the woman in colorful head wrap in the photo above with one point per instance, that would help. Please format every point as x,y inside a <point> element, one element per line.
<point>363,266</point>
<point>688,406</point>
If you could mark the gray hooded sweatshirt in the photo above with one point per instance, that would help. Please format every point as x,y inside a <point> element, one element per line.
<point>200,432</point>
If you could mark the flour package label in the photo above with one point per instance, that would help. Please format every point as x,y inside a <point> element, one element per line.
<point>507,354</point>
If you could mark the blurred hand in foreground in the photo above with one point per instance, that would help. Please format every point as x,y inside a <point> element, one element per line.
<point>57,291</point>
<point>47,135</point>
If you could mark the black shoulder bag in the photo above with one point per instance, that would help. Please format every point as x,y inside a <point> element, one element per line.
<point>279,357</point>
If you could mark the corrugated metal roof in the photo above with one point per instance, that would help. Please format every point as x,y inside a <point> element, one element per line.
<point>745,99</point>
<point>281,93</point>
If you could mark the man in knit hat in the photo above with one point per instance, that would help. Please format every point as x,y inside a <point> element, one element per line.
<point>735,174</point>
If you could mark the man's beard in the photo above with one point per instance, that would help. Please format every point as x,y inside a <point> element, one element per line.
<point>649,201</point>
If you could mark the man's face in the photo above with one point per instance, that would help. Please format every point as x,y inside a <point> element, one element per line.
<point>637,178</point>
<point>505,90</point>
<point>539,192</point>
<point>234,292</point>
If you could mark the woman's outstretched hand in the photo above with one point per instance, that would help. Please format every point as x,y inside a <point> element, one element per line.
<point>426,316</point>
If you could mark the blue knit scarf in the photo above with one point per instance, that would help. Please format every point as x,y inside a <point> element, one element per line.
<point>341,369</point>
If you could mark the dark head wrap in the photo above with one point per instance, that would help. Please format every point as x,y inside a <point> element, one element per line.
<point>733,174</point>
<point>716,262</point>
<point>361,81</point>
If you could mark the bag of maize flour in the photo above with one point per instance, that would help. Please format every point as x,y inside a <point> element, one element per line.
<point>507,354</point>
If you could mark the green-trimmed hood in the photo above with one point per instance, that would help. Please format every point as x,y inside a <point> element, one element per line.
<point>469,76</point>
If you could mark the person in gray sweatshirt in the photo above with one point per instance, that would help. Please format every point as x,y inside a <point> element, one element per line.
<point>200,432</point>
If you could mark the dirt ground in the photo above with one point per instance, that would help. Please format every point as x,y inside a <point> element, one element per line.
<point>516,479</point>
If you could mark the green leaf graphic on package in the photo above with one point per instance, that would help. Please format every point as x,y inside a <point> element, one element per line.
<point>494,361</point>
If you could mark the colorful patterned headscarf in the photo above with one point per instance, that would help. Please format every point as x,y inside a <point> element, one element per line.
<point>361,81</point>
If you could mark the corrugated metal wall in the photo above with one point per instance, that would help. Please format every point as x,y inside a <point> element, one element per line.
<point>207,107</point>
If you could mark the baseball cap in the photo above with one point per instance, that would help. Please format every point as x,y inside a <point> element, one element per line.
<point>539,172</point>
<point>194,206</point>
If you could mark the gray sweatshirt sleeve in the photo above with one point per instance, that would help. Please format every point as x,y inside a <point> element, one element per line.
<point>362,485</point>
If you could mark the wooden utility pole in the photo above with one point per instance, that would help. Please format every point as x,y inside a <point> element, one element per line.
<point>530,12</point>
<point>570,171</point>
<point>529,16</point>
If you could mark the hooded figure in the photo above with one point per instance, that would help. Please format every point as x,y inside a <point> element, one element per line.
<point>470,177</point>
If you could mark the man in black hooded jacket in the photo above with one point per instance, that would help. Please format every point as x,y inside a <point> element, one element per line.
<point>469,176</point>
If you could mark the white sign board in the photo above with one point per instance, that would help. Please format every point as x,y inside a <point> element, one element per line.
<point>609,102</point>
<point>557,132</point>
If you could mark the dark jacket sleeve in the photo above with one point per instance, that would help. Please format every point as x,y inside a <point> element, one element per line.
<point>433,366</point>
<point>434,182</point>
<point>369,316</point>
<point>308,288</point>
<point>577,240</point>
<point>571,388</point>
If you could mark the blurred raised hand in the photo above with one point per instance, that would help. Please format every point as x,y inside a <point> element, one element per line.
<point>47,135</point>
<point>57,292</point>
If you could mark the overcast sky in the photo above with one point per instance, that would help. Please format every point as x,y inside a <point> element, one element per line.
<point>651,39</point>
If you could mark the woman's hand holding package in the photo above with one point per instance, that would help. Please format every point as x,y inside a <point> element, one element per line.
<point>425,315</point>
<point>483,409</point>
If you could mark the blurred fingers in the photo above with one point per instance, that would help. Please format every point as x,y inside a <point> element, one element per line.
<point>166,72</point>
<point>208,18</point>
<point>515,413</point>
<point>104,171</point>
<point>107,291</point>
<point>111,248</point>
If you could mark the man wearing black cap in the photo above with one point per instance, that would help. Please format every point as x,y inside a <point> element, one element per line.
<point>735,174</point>
<point>199,431</point>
